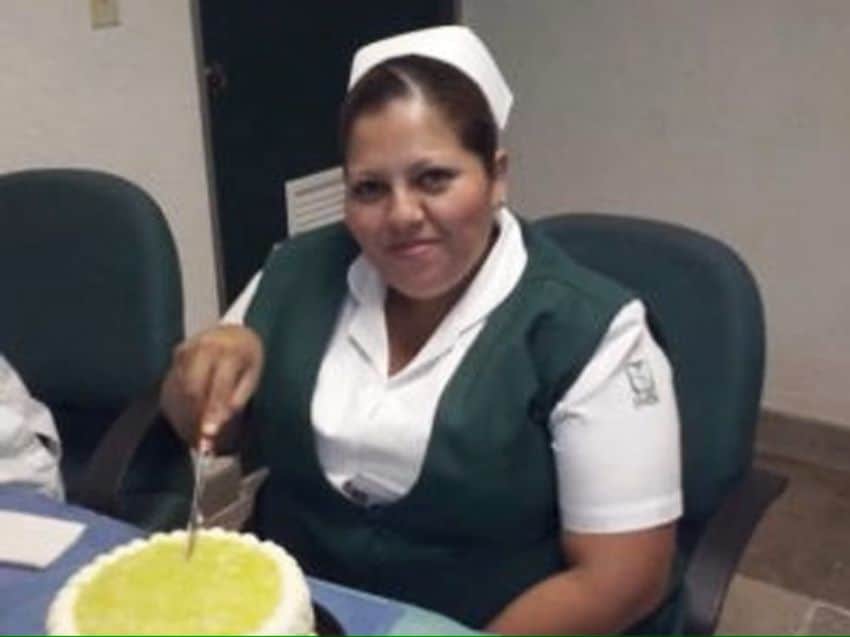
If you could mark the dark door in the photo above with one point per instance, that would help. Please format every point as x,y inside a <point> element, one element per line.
<point>276,73</point>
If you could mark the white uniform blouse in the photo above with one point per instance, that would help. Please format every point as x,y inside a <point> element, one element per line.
<point>29,445</point>
<point>615,433</point>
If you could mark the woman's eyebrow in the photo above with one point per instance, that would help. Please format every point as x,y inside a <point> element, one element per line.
<point>424,164</point>
<point>365,173</point>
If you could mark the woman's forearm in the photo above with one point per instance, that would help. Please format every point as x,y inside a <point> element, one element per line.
<point>571,602</point>
<point>614,580</point>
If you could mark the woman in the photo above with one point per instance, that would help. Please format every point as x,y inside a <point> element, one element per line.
<point>443,398</point>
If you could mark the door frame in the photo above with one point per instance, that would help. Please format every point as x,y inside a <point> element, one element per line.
<point>453,16</point>
<point>209,165</point>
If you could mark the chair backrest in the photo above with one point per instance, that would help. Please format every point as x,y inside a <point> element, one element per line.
<point>706,311</point>
<point>92,295</point>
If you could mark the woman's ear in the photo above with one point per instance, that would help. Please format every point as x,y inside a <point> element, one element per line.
<point>500,164</point>
<point>500,178</point>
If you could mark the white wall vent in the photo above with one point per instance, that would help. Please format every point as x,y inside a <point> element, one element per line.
<point>314,200</point>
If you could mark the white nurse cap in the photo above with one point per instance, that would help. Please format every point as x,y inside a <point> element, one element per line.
<point>455,45</point>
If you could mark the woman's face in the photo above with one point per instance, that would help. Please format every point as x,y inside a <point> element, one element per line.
<point>419,204</point>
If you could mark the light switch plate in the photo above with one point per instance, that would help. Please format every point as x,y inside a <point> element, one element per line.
<point>104,13</point>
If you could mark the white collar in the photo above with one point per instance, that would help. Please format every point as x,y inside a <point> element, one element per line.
<point>493,282</point>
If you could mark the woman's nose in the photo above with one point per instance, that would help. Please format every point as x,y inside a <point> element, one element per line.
<point>405,208</point>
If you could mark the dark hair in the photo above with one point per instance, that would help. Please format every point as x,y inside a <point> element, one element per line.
<point>442,85</point>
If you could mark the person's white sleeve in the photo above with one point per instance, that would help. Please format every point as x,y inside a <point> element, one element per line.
<point>235,314</point>
<point>615,435</point>
<point>30,448</point>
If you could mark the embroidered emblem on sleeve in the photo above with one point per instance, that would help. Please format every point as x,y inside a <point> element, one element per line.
<point>642,383</point>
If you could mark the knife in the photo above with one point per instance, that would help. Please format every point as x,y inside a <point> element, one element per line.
<point>196,516</point>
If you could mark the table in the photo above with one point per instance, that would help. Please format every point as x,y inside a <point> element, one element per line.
<point>25,594</point>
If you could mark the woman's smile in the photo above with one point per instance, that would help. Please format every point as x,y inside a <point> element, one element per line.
<point>413,249</point>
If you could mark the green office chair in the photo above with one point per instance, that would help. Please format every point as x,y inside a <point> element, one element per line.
<point>92,309</point>
<point>706,313</point>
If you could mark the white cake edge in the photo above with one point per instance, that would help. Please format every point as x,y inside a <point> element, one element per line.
<point>294,615</point>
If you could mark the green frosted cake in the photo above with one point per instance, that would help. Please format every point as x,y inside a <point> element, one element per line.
<point>233,584</point>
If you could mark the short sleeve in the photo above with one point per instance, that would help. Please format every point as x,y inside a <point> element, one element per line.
<point>615,435</point>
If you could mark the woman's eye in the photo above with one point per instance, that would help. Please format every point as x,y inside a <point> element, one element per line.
<point>367,190</point>
<point>435,180</point>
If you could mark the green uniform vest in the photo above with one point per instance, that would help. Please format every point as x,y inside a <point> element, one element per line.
<point>481,523</point>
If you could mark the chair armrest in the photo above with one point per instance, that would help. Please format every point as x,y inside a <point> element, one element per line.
<point>721,546</point>
<point>108,465</point>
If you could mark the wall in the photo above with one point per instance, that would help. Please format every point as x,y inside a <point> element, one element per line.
<point>121,99</point>
<point>731,117</point>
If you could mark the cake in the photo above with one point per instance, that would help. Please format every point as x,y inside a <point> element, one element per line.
<point>232,584</point>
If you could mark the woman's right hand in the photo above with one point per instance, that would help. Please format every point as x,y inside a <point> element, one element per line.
<point>212,377</point>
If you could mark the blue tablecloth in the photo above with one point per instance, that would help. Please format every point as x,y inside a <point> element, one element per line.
<point>25,594</point>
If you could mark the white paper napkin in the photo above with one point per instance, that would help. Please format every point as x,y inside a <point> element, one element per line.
<point>35,540</point>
